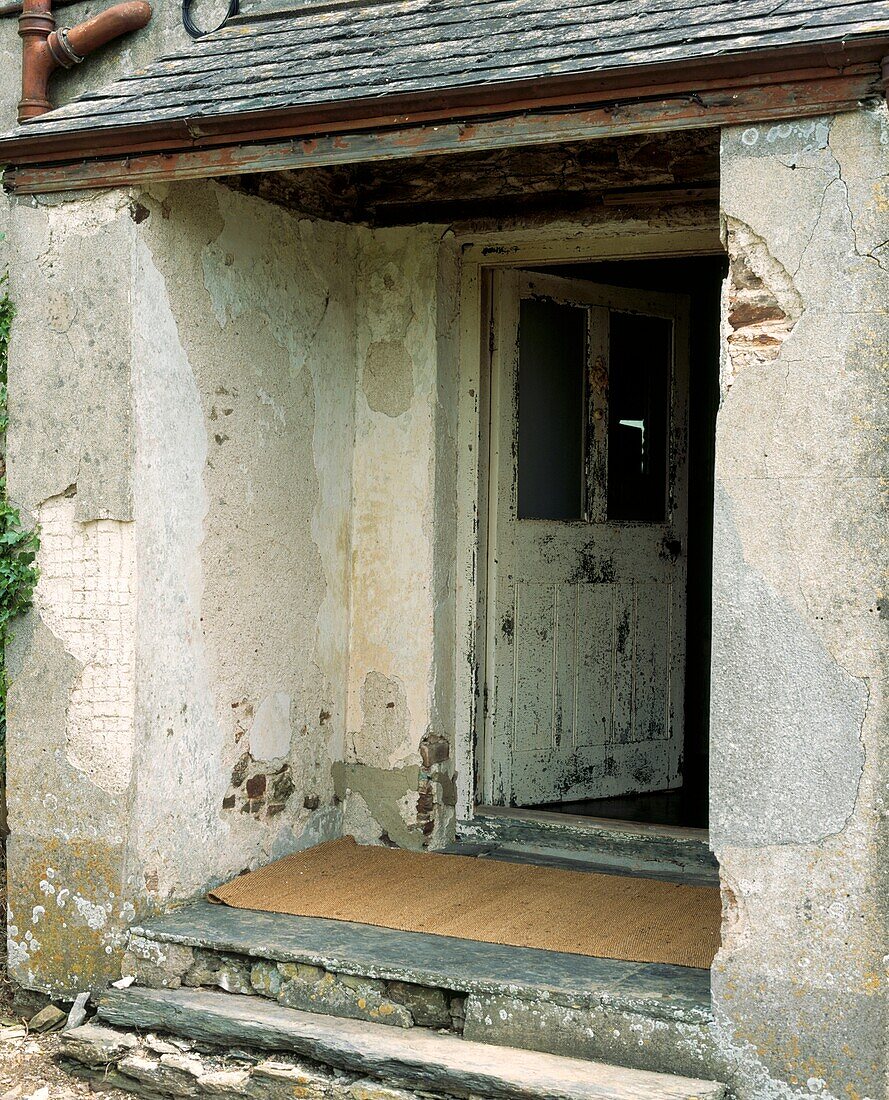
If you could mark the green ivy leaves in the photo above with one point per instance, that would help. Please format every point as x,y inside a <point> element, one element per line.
<point>18,546</point>
<point>7,312</point>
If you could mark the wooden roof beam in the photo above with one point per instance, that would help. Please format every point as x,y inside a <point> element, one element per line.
<point>805,92</point>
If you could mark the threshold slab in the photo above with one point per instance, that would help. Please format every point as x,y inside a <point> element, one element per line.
<point>444,962</point>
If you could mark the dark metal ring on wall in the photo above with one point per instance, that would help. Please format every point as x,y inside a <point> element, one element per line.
<point>194,30</point>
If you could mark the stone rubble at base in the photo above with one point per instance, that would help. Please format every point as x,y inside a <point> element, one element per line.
<point>159,1067</point>
<point>296,985</point>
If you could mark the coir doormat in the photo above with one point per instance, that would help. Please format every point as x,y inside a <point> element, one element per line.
<point>607,916</point>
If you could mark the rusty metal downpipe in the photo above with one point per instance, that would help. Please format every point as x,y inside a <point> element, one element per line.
<point>45,49</point>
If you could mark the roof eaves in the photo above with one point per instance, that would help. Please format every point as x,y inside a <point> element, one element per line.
<point>809,65</point>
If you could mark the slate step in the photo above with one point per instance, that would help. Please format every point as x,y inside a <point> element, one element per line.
<point>611,847</point>
<point>641,1015</point>
<point>415,1058</point>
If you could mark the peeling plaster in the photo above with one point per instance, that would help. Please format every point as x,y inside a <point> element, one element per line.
<point>388,796</point>
<point>86,597</point>
<point>799,556</point>
<point>266,388</point>
<point>383,740</point>
<point>388,377</point>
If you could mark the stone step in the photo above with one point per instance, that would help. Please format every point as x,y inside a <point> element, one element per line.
<point>641,1015</point>
<point>414,1058</point>
<point>584,843</point>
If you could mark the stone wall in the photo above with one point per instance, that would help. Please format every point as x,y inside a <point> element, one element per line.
<point>72,696</point>
<point>182,384</point>
<point>238,631</point>
<point>798,710</point>
<point>396,774</point>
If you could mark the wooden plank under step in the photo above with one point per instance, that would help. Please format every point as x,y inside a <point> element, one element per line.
<point>415,1058</point>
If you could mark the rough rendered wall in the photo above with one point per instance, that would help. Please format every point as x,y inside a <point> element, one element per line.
<point>182,385</point>
<point>798,782</point>
<point>71,706</point>
<point>244,389</point>
<point>396,775</point>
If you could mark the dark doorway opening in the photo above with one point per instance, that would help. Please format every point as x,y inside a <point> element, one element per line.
<point>700,278</point>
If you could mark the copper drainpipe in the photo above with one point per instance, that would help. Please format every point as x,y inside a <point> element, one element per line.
<point>45,49</point>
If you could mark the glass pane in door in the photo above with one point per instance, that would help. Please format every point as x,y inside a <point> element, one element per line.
<point>551,410</point>
<point>640,363</point>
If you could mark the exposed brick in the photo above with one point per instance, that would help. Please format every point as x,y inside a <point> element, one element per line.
<point>434,750</point>
<point>256,785</point>
<point>239,771</point>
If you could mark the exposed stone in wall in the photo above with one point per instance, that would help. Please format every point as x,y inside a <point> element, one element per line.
<point>438,792</point>
<point>256,790</point>
<point>798,718</point>
<point>763,304</point>
<point>159,965</point>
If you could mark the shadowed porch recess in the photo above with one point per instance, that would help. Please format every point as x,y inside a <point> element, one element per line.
<point>605,916</point>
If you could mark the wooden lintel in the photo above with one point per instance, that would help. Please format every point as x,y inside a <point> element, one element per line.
<point>792,99</point>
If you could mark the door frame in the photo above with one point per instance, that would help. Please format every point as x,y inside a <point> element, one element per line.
<point>479,257</point>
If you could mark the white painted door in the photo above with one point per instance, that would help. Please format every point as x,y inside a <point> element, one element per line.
<point>585,643</point>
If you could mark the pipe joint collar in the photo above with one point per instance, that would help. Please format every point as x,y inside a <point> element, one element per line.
<point>61,49</point>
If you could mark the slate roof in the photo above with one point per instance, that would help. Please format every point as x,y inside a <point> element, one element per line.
<point>316,53</point>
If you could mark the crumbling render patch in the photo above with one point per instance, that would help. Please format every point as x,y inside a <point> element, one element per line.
<point>87,599</point>
<point>380,741</point>
<point>763,304</point>
<point>385,794</point>
<point>388,377</point>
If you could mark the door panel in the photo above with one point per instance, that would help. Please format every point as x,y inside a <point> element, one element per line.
<point>595,675</point>
<point>586,587</point>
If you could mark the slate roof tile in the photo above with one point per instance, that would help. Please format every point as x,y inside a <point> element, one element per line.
<point>312,55</point>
